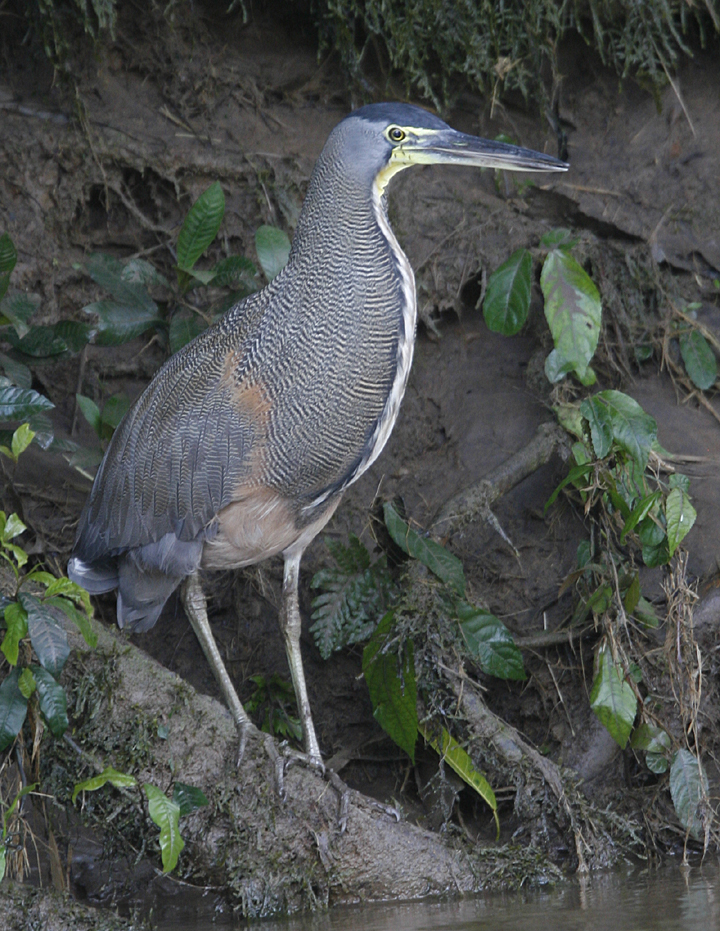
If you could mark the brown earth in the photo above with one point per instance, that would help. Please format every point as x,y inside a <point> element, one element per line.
<point>110,159</point>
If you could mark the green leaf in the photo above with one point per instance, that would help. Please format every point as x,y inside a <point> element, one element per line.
<point>576,474</point>
<point>22,438</point>
<point>47,636</point>
<point>184,328</point>
<point>17,308</point>
<point>166,815</point>
<point>201,226</point>
<point>612,699</point>
<point>689,790</point>
<point>558,239</point>
<point>114,410</point>
<point>27,683</point>
<point>639,513</point>
<point>40,343</point>
<point>13,708</point>
<point>273,250</point>
<point>114,277</point>
<point>188,798</point>
<point>8,258</point>
<point>139,271</point>
<point>236,271</point>
<point>507,298</point>
<point>18,373</point>
<point>656,743</point>
<point>699,359</point>
<point>68,589</point>
<point>678,480</point>
<point>633,430</point>
<point>573,312</point>
<point>16,624</point>
<point>10,527</point>
<point>439,561</point>
<point>490,642</point>
<point>355,596</point>
<point>632,595</point>
<point>453,754</point>
<point>119,323</point>
<point>600,421</point>
<point>644,612</point>
<point>42,427</point>
<point>81,621</point>
<point>393,690</point>
<point>74,334</point>
<point>109,774</point>
<point>21,403</point>
<point>680,516</point>
<point>90,411</point>
<point>51,698</point>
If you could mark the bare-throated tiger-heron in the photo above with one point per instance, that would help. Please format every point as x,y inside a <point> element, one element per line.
<point>243,443</point>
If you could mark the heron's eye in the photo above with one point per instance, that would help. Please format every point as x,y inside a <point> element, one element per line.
<point>395,134</point>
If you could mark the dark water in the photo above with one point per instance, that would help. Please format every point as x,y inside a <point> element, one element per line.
<point>671,899</point>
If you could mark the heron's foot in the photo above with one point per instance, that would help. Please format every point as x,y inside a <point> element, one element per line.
<point>293,758</point>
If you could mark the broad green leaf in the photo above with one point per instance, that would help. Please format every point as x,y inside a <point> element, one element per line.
<point>10,527</point>
<point>119,323</point>
<point>236,271</point>
<point>74,334</point>
<point>114,410</point>
<point>27,683</point>
<point>21,403</point>
<point>47,636</point>
<point>393,691</point>
<point>699,359</point>
<point>16,624</point>
<point>453,754</point>
<point>575,475</point>
<point>205,276</point>
<point>632,595</point>
<point>166,815</point>
<point>490,642</point>
<point>633,430</point>
<point>183,329</point>
<point>139,271</point>
<point>558,239</point>
<point>273,249</point>
<point>68,589</point>
<point>612,698</point>
<point>40,343</point>
<point>188,798</point>
<point>656,743</point>
<point>573,312</point>
<point>17,308</point>
<point>680,516</point>
<point>112,275</point>
<point>678,480</point>
<point>439,561</point>
<point>82,621</point>
<point>13,708</point>
<point>507,298</point>
<point>600,421</point>
<point>689,790</point>
<point>52,701</point>
<point>8,258</point>
<point>570,418</point>
<point>19,374</point>
<point>201,226</point>
<point>639,513</point>
<point>90,411</point>
<point>645,613</point>
<point>109,774</point>
<point>22,438</point>
<point>42,427</point>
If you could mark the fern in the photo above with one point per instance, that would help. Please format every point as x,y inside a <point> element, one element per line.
<point>355,595</point>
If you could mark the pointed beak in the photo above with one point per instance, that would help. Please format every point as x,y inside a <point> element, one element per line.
<point>449,147</point>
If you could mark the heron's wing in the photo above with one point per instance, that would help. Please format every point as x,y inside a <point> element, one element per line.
<point>176,458</point>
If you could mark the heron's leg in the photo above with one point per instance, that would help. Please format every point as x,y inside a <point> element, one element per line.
<point>290,626</point>
<point>196,609</point>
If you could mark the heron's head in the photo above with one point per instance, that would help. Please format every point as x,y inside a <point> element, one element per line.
<point>382,139</point>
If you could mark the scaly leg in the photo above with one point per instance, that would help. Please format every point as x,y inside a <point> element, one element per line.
<point>289,620</point>
<point>196,610</point>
